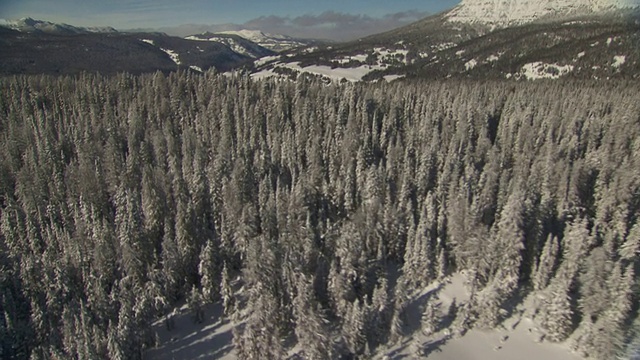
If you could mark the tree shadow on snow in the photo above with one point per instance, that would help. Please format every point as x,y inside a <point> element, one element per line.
<point>397,353</point>
<point>430,347</point>
<point>415,307</point>
<point>210,339</point>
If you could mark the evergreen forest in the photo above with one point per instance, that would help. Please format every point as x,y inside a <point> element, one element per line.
<point>327,204</point>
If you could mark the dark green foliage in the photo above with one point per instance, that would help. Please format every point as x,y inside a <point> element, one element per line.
<point>314,212</point>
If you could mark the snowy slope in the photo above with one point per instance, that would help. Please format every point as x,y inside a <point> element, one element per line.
<point>502,13</point>
<point>237,43</point>
<point>273,42</point>
<point>351,68</point>
<point>30,25</point>
<point>518,338</point>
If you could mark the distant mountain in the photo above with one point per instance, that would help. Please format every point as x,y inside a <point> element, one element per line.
<point>273,42</point>
<point>30,25</point>
<point>237,43</point>
<point>599,43</point>
<point>40,52</point>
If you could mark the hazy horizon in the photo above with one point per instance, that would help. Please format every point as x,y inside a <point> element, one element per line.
<point>335,20</point>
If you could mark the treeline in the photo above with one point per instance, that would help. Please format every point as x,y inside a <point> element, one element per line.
<point>328,204</point>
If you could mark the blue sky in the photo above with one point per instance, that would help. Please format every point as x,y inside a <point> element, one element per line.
<point>126,14</point>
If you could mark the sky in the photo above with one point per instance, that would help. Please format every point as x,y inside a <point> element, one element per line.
<point>337,19</point>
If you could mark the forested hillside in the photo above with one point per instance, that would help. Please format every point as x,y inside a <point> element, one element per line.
<point>123,196</point>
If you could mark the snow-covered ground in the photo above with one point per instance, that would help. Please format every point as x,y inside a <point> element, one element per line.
<point>265,59</point>
<point>275,42</point>
<point>508,12</point>
<point>173,55</point>
<point>391,78</point>
<point>347,59</point>
<point>350,74</point>
<point>539,70</point>
<point>469,65</point>
<point>618,61</point>
<point>230,42</point>
<point>517,338</point>
<point>211,339</point>
<point>493,58</point>
<point>384,59</point>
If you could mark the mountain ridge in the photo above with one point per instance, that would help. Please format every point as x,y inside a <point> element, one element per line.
<point>594,45</point>
<point>504,13</point>
<point>274,42</point>
<point>31,25</point>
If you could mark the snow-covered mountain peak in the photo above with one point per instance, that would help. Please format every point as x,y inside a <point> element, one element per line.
<point>256,36</point>
<point>274,42</point>
<point>512,12</point>
<point>30,25</point>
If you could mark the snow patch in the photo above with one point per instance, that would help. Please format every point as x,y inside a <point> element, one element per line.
<point>150,42</point>
<point>576,22</point>
<point>618,61</point>
<point>581,55</point>
<point>266,59</point>
<point>196,68</point>
<point>348,59</point>
<point>540,70</point>
<point>493,58</point>
<point>391,78</point>
<point>173,55</point>
<point>443,46</point>
<point>392,56</point>
<point>460,52</point>
<point>349,74</point>
<point>469,65</point>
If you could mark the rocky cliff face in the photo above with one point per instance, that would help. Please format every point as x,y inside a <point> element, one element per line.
<point>500,13</point>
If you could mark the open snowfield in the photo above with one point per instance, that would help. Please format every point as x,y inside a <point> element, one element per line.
<point>212,339</point>
<point>517,338</point>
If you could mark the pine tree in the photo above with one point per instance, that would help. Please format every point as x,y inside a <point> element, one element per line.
<point>226,291</point>
<point>510,237</point>
<point>209,271</point>
<point>430,317</point>
<point>195,301</point>
<point>311,325</point>
<point>545,267</point>
<point>171,263</point>
<point>556,313</point>
<point>630,250</point>
<point>442,262</point>
<point>353,330</point>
